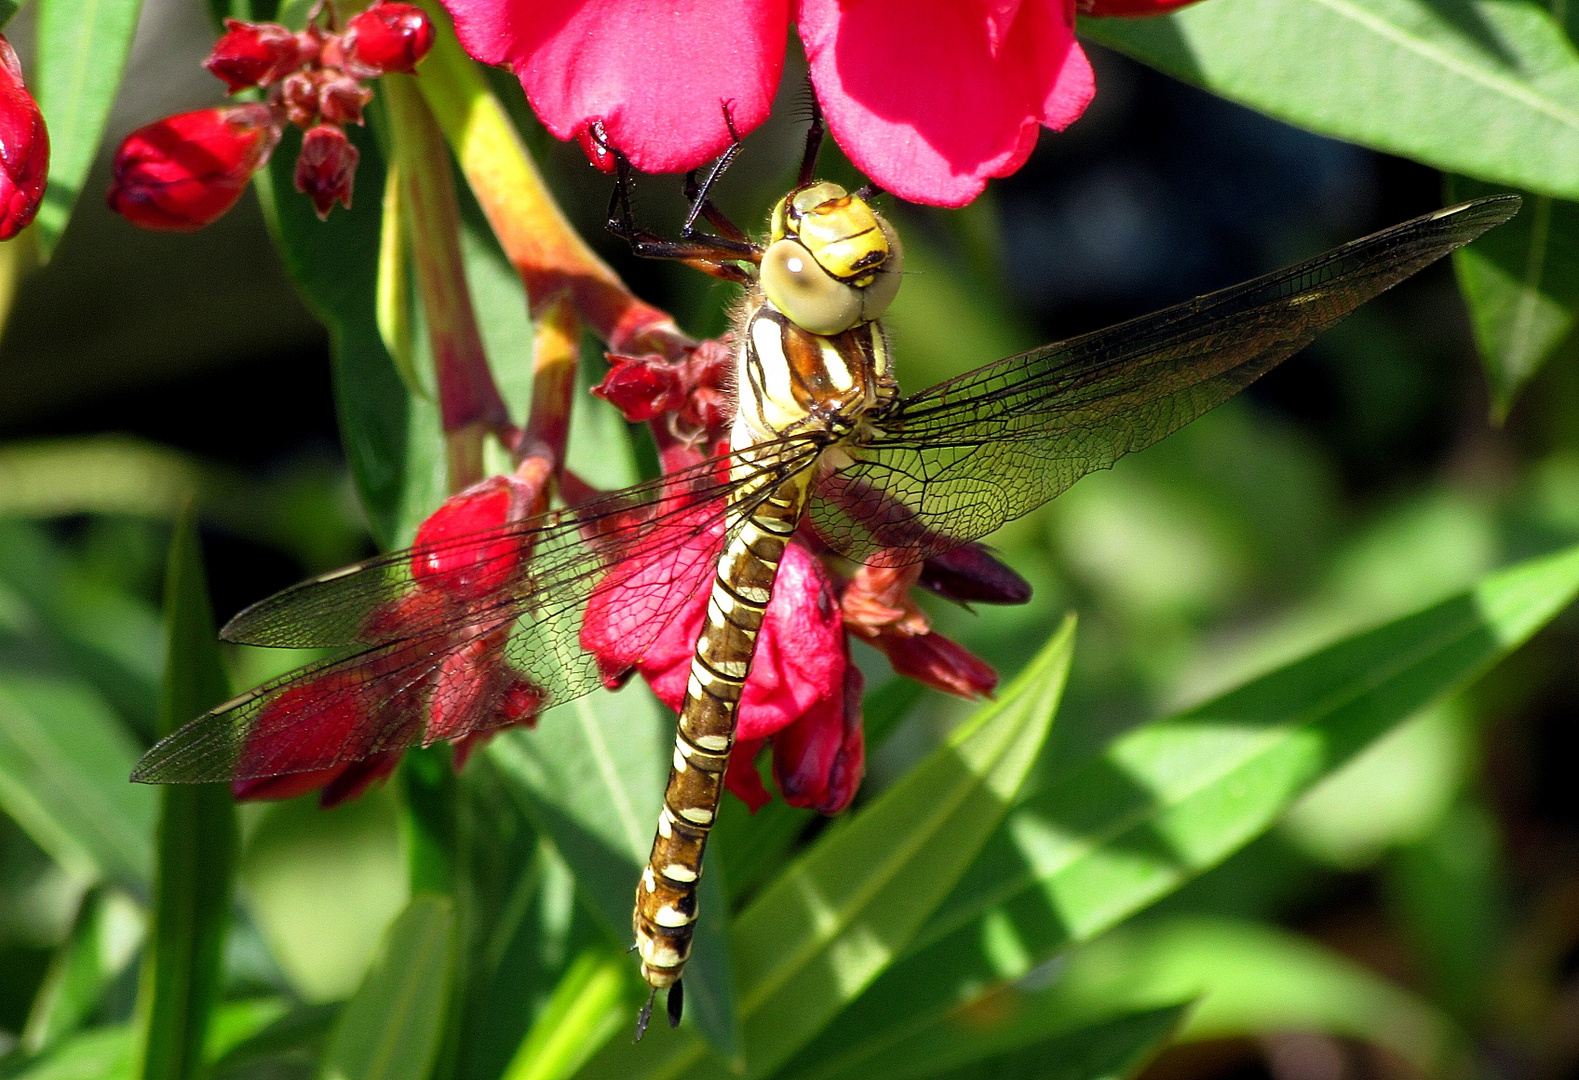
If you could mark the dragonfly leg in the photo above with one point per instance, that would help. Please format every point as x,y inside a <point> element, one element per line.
<point>715,255</point>
<point>701,203</point>
<point>808,160</point>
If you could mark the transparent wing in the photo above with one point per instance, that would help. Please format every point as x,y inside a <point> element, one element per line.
<point>954,462</point>
<point>420,665</point>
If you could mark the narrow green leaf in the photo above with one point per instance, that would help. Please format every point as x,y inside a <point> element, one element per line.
<point>394,298</point>
<point>197,836</point>
<point>1113,1049</point>
<point>64,760</point>
<point>109,1053</point>
<point>111,641</point>
<point>392,440</point>
<point>390,1029</point>
<point>1176,796</point>
<point>435,847</point>
<point>1522,286</point>
<point>1451,891</point>
<point>8,8</point>
<point>82,48</point>
<point>1020,1033</point>
<point>103,940</point>
<point>590,1003</point>
<point>1484,88</point>
<point>323,887</point>
<point>296,1037</point>
<point>591,776</point>
<point>819,934</point>
<point>1254,979</point>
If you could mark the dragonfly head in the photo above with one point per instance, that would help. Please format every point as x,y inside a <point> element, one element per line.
<point>832,261</point>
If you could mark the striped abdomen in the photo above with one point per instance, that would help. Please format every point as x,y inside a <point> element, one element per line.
<point>665,914</point>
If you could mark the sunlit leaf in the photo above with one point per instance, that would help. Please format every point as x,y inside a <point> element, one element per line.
<point>1522,286</point>
<point>82,48</point>
<point>324,886</point>
<point>590,1003</point>
<point>392,440</point>
<point>1483,88</point>
<point>64,760</point>
<point>821,932</point>
<point>197,837</point>
<point>390,1029</point>
<point>1254,979</point>
<point>1099,841</point>
<point>103,940</point>
<point>110,640</point>
<point>1020,1034</point>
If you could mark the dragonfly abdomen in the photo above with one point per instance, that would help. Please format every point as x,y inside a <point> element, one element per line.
<point>666,905</point>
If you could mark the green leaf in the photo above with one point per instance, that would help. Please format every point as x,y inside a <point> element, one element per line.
<point>110,640</point>
<point>1484,88</point>
<point>1100,841</point>
<point>591,776</point>
<point>104,938</point>
<point>1018,1033</point>
<point>108,1053</point>
<point>590,1004</point>
<point>64,760</point>
<point>82,48</point>
<point>390,1030</point>
<point>1254,980</point>
<point>1522,286</point>
<point>821,932</point>
<point>197,838</point>
<point>1111,1050</point>
<point>392,439</point>
<point>324,886</point>
<point>1451,891</point>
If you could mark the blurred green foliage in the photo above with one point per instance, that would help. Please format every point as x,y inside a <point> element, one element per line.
<point>1302,808</point>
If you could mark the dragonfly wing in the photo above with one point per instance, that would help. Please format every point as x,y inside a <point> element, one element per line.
<point>954,462</point>
<point>430,666</point>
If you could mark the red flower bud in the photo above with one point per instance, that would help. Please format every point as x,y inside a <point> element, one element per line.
<point>326,168</point>
<point>185,171</point>
<point>939,663</point>
<point>24,148</point>
<point>299,95</point>
<point>641,387</point>
<point>341,99</point>
<point>389,37</point>
<point>254,54</point>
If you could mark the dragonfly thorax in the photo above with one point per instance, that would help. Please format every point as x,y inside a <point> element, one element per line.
<point>832,262</point>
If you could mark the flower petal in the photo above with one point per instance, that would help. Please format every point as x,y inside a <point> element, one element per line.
<point>656,73</point>
<point>800,660</point>
<point>930,98</point>
<point>742,778</point>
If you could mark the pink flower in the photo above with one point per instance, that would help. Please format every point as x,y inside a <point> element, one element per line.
<point>332,732</point>
<point>929,97</point>
<point>185,171</point>
<point>24,148</point>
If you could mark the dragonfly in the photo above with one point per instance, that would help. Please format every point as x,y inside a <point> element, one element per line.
<point>822,441</point>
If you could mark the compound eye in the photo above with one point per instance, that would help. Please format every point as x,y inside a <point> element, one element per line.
<point>808,295</point>
<point>876,297</point>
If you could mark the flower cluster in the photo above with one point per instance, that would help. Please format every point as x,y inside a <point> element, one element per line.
<point>183,172</point>
<point>346,729</point>
<point>24,148</point>
<point>930,98</point>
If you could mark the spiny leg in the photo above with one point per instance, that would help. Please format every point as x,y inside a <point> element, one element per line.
<point>814,133</point>
<point>700,196</point>
<point>715,255</point>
